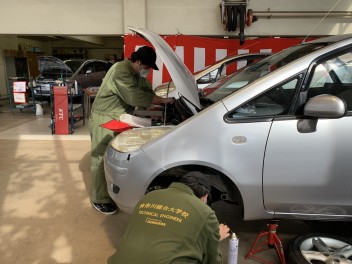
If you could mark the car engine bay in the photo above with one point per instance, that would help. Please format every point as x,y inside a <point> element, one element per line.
<point>172,114</point>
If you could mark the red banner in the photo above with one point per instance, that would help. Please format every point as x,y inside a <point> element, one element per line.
<point>199,52</point>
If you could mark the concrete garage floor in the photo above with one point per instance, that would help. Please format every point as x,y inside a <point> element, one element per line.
<point>45,211</point>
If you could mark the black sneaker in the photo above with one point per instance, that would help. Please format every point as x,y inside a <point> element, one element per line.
<point>106,208</point>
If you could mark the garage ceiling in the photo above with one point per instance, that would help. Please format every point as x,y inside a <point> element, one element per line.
<point>98,40</point>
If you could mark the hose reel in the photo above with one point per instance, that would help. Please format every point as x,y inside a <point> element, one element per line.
<point>234,12</point>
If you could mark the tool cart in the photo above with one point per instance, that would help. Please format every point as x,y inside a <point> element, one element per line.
<point>67,109</point>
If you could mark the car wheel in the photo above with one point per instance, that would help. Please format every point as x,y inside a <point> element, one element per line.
<point>319,248</point>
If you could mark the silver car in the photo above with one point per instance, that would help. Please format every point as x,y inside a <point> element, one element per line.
<point>274,137</point>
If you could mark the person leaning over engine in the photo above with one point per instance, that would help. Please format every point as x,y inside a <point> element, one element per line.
<point>124,87</point>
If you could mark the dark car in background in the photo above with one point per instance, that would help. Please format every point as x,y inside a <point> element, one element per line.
<point>53,71</point>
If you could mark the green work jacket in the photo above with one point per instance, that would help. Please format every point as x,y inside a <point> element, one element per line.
<point>170,226</point>
<point>121,91</point>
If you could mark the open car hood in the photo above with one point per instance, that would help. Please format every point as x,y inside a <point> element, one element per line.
<point>46,63</point>
<point>181,76</point>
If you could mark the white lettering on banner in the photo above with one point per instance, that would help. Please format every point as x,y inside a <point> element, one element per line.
<point>199,59</point>
<point>61,114</point>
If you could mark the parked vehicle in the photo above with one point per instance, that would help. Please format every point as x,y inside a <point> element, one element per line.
<point>53,71</point>
<point>274,138</point>
<point>213,73</point>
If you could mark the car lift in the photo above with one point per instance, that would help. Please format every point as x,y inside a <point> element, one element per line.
<point>271,242</point>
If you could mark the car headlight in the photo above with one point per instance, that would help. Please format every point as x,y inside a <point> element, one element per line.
<point>133,139</point>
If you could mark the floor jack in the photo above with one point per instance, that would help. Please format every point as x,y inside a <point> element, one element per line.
<point>272,241</point>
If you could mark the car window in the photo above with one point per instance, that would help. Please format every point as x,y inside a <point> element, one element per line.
<point>226,69</point>
<point>232,66</point>
<point>54,74</point>
<point>87,67</point>
<point>254,71</point>
<point>276,101</point>
<point>74,64</point>
<point>100,66</point>
<point>209,77</point>
<point>333,76</point>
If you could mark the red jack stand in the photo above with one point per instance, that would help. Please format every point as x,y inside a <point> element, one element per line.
<point>271,242</point>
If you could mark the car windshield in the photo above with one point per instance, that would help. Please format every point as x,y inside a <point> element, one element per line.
<point>204,69</point>
<point>232,83</point>
<point>54,74</point>
<point>74,64</point>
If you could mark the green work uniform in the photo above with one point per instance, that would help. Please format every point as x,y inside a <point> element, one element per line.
<point>170,226</point>
<point>120,92</point>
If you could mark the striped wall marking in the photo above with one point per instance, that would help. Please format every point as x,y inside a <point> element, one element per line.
<point>220,54</point>
<point>199,59</point>
<point>180,51</point>
<point>265,50</point>
<point>241,64</point>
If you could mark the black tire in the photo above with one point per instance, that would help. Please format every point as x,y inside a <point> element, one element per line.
<point>337,249</point>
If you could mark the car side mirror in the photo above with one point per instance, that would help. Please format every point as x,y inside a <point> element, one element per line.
<point>325,106</point>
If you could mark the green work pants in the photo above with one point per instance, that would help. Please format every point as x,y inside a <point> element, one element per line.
<point>100,138</point>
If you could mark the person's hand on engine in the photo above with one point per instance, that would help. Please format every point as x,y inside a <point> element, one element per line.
<point>157,100</point>
<point>169,100</point>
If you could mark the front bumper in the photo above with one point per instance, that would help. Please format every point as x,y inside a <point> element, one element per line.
<point>128,176</point>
